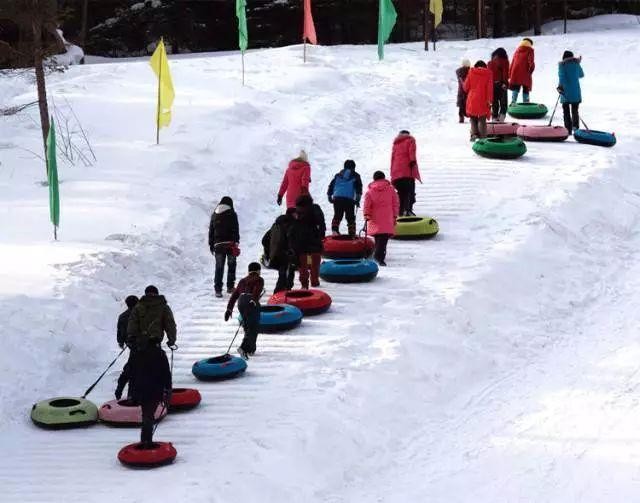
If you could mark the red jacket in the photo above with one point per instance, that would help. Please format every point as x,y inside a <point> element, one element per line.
<point>381,208</point>
<point>252,284</point>
<point>296,181</point>
<point>479,86</point>
<point>402,155</point>
<point>500,69</point>
<point>522,66</point>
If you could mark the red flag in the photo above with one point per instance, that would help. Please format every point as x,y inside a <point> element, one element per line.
<point>309,30</point>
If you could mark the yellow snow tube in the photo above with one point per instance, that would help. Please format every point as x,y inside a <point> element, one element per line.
<point>416,228</point>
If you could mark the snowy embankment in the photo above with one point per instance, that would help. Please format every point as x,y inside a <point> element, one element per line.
<point>494,362</point>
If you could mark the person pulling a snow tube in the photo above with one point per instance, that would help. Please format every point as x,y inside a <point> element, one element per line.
<point>127,413</point>
<point>279,318</point>
<point>183,399</point>
<point>338,247</point>
<point>416,227</point>
<point>344,193</point>
<point>500,148</point>
<point>310,302</point>
<point>592,137</point>
<point>219,368</point>
<point>543,133</point>
<point>348,270</point>
<point>147,456</point>
<point>64,413</point>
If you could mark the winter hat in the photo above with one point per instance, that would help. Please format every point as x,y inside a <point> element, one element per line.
<point>526,42</point>
<point>466,62</point>
<point>350,164</point>
<point>151,290</point>
<point>303,156</point>
<point>254,267</point>
<point>131,301</point>
<point>404,131</point>
<point>480,64</point>
<point>227,200</point>
<point>378,175</point>
<point>567,55</point>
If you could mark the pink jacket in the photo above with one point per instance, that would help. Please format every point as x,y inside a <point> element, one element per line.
<point>403,153</point>
<point>296,181</point>
<point>381,208</point>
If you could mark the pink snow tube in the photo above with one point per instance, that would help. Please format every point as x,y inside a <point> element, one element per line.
<point>502,128</point>
<point>543,133</point>
<point>126,413</point>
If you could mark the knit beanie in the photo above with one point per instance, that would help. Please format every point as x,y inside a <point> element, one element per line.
<point>303,156</point>
<point>466,62</point>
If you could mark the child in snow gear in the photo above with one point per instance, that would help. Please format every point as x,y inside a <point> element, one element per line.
<point>266,248</point>
<point>461,102</point>
<point>279,256</point>
<point>150,319</point>
<point>296,180</point>
<point>123,320</point>
<point>345,191</point>
<point>499,66</point>
<point>224,236</point>
<point>479,86</point>
<point>381,209</point>
<point>521,71</point>
<point>569,75</point>
<point>248,293</point>
<point>305,236</point>
<point>404,171</point>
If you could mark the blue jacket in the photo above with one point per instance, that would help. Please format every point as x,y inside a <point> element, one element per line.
<point>569,75</point>
<point>346,185</point>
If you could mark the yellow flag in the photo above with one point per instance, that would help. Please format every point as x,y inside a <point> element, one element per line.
<point>435,6</point>
<point>166,95</point>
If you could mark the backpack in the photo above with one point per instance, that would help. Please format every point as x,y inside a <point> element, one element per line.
<point>345,185</point>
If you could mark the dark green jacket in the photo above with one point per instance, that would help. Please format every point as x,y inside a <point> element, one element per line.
<point>150,319</point>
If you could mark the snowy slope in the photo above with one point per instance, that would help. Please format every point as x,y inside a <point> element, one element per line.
<point>494,363</point>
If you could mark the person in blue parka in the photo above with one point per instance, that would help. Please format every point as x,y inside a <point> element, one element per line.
<point>345,191</point>
<point>569,75</point>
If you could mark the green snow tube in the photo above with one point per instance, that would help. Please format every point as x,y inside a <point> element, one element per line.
<point>416,228</point>
<point>528,110</point>
<point>500,148</point>
<point>64,412</point>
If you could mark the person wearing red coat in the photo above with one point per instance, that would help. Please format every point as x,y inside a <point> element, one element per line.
<point>404,170</point>
<point>521,71</point>
<point>499,66</point>
<point>296,180</point>
<point>479,86</point>
<point>381,209</point>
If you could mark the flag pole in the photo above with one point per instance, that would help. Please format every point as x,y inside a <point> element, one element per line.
<point>242,52</point>
<point>433,31</point>
<point>158,109</point>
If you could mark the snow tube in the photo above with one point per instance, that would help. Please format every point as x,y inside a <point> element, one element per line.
<point>500,148</point>
<point>348,270</point>
<point>126,413</point>
<point>502,128</point>
<point>543,133</point>
<point>591,137</point>
<point>184,399</point>
<point>160,454</point>
<point>64,413</point>
<point>219,368</point>
<point>310,302</point>
<point>416,228</point>
<point>278,318</point>
<point>347,247</point>
<point>527,110</point>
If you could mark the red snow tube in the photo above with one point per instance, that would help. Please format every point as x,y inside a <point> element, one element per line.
<point>347,247</point>
<point>126,413</point>
<point>502,128</point>
<point>543,133</point>
<point>184,399</point>
<point>160,454</point>
<point>310,302</point>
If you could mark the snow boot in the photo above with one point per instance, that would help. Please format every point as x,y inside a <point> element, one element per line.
<point>243,354</point>
<point>218,294</point>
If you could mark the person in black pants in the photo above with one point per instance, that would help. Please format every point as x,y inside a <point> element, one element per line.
<point>279,256</point>
<point>224,236</point>
<point>344,192</point>
<point>123,320</point>
<point>569,74</point>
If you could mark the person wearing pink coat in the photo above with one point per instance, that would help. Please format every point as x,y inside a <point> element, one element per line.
<point>296,180</point>
<point>404,170</point>
<point>381,209</point>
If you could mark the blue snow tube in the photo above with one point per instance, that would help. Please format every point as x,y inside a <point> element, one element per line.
<point>598,138</point>
<point>278,318</point>
<point>348,270</point>
<point>219,368</point>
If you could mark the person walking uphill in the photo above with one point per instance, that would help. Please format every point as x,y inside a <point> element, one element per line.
<point>499,66</point>
<point>305,236</point>
<point>461,102</point>
<point>296,180</point>
<point>248,294</point>
<point>345,191</point>
<point>279,255</point>
<point>150,319</point>
<point>404,171</point>
<point>224,236</point>
<point>569,75</point>
<point>479,85</point>
<point>521,71</point>
<point>381,209</point>
<point>123,320</point>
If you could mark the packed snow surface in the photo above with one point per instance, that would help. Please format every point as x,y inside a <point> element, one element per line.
<point>498,362</point>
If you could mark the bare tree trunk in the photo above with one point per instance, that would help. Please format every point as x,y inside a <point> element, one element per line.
<point>85,20</point>
<point>537,18</point>
<point>499,7</point>
<point>38,65</point>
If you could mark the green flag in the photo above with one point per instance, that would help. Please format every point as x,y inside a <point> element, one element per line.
<point>386,21</point>
<point>52,177</point>
<point>243,35</point>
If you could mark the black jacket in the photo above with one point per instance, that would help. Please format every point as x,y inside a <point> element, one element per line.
<point>279,241</point>
<point>223,227</point>
<point>149,375</point>
<point>307,231</point>
<point>123,321</point>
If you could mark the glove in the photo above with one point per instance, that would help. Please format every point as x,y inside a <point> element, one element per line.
<point>166,396</point>
<point>330,199</point>
<point>121,344</point>
<point>560,89</point>
<point>172,345</point>
<point>357,203</point>
<point>504,87</point>
<point>279,200</point>
<point>227,315</point>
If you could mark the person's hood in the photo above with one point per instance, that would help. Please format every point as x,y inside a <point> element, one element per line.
<point>347,174</point>
<point>221,208</point>
<point>153,300</point>
<point>298,164</point>
<point>524,49</point>
<point>525,43</point>
<point>572,59</point>
<point>479,71</point>
<point>380,185</point>
<point>402,137</point>
<point>283,219</point>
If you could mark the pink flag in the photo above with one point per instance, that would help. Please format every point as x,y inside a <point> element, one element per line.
<point>309,30</point>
